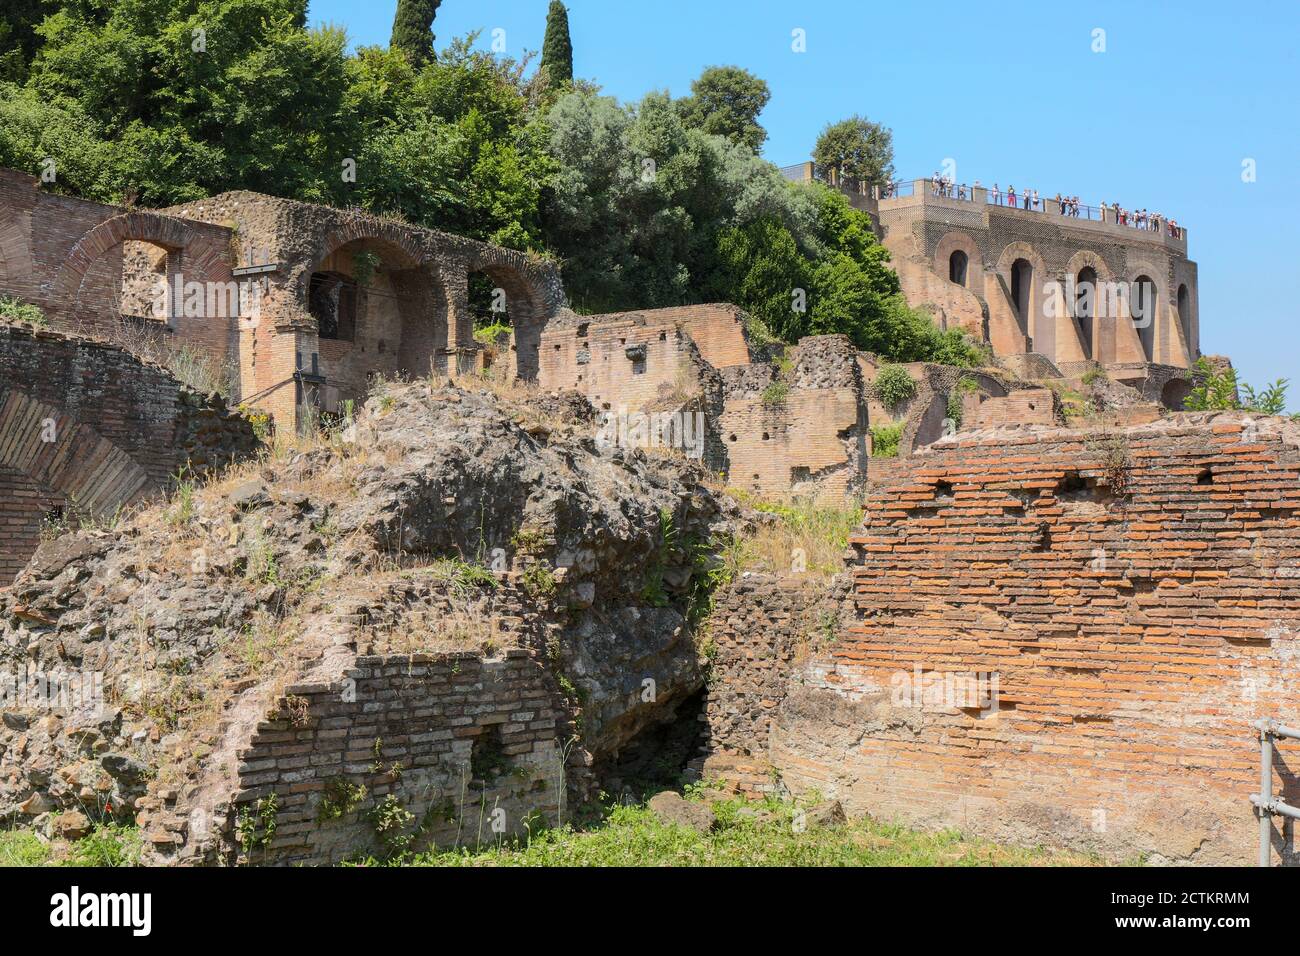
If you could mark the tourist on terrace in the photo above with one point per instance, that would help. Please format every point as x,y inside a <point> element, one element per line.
<point>1011,196</point>
<point>1037,203</point>
<point>997,196</point>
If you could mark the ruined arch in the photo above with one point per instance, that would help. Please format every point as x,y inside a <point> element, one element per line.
<point>510,282</point>
<point>200,255</point>
<point>50,460</point>
<point>67,456</point>
<point>376,303</point>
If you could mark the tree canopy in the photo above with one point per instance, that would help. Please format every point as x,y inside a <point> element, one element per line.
<point>413,29</point>
<point>858,148</point>
<point>726,101</point>
<point>653,203</point>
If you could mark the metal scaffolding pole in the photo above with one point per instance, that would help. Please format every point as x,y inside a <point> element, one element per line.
<point>1266,806</point>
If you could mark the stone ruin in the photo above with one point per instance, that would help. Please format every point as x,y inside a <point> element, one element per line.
<point>461,610</point>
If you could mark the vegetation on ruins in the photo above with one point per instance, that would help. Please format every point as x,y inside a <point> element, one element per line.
<point>894,385</point>
<point>655,203</point>
<point>770,832</point>
<point>23,313</point>
<point>885,440</point>
<point>965,385</point>
<point>1220,389</point>
<point>804,535</point>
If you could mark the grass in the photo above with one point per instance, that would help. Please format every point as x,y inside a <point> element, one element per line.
<point>885,440</point>
<point>108,845</point>
<point>633,836</point>
<point>809,536</point>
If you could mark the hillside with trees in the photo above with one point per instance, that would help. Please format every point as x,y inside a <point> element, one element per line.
<point>652,203</point>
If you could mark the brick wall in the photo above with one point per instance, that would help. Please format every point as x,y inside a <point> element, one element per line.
<point>23,503</point>
<point>94,427</point>
<point>1136,594</point>
<point>466,746</point>
<point>1030,406</point>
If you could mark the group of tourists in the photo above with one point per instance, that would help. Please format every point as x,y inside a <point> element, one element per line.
<point>1142,219</point>
<point>943,185</point>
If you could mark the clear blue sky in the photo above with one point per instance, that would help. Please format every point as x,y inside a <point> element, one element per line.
<point>1013,92</point>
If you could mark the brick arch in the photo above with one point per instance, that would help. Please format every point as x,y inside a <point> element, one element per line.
<point>203,256</point>
<point>15,253</point>
<point>1087,258</point>
<point>958,241</point>
<point>410,253</point>
<point>1004,329</point>
<point>533,292</point>
<point>79,463</point>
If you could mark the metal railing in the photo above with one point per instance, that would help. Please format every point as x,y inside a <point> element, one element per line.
<point>964,192</point>
<point>1266,805</point>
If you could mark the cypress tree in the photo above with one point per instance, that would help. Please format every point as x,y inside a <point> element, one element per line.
<point>557,48</point>
<point>413,29</point>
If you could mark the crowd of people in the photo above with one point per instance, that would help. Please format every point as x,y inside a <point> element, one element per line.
<point>1067,205</point>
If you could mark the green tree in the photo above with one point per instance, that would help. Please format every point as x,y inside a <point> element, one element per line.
<point>557,47</point>
<point>413,29</point>
<point>858,148</point>
<point>18,40</point>
<point>1216,390</point>
<point>726,101</point>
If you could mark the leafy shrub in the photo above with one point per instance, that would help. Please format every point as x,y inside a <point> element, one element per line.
<point>776,393</point>
<point>893,386</point>
<point>885,440</point>
<point>13,310</point>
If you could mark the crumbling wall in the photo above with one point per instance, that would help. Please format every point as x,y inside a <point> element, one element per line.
<point>803,430</point>
<point>1063,637</point>
<point>86,427</point>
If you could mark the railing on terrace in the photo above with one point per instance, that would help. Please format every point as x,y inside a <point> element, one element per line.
<point>1061,206</point>
<point>962,192</point>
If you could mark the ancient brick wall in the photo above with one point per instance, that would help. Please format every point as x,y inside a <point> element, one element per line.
<point>91,427</point>
<point>803,431</point>
<point>23,505</point>
<point>1029,406</point>
<point>923,231</point>
<point>1136,595</point>
<point>761,627</point>
<point>456,740</point>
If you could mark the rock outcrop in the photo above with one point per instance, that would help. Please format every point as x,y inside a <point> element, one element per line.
<point>240,638</point>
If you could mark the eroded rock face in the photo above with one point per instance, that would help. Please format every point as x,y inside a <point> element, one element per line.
<point>438,507</point>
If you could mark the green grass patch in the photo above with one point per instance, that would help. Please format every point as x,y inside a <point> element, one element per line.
<point>633,836</point>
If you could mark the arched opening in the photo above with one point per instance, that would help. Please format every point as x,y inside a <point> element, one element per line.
<point>1185,319</point>
<point>1085,306</point>
<point>378,311</point>
<point>957,265</point>
<point>506,320</point>
<point>1143,299</point>
<point>1022,278</point>
<point>332,302</point>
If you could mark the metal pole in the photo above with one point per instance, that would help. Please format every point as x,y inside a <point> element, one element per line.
<point>1265,791</point>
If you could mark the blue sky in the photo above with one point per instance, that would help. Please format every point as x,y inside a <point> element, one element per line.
<point>1013,92</point>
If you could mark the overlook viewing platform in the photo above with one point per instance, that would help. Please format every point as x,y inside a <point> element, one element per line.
<point>925,194</point>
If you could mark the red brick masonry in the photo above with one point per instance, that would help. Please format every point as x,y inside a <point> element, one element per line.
<point>1136,595</point>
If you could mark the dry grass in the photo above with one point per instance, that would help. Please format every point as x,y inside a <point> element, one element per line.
<point>803,536</point>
